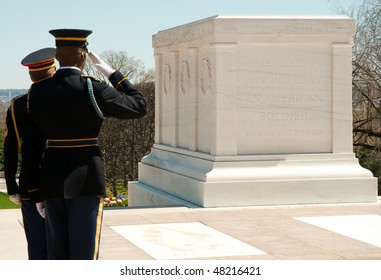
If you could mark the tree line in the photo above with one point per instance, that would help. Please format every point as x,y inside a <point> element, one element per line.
<point>366,85</point>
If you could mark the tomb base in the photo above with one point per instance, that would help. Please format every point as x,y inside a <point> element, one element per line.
<point>172,177</point>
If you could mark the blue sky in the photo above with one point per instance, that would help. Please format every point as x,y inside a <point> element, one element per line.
<point>119,25</point>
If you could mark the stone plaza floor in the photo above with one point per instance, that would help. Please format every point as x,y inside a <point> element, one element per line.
<point>301,232</point>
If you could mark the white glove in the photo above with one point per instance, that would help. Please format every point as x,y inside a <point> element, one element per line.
<point>101,65</point>
<point>41,208</point>
<point>15,198</point>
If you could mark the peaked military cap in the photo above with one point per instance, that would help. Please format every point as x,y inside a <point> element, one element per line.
<point>71,37</point>
<point>40,60</point>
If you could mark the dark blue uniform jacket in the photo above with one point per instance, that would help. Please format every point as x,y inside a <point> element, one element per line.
<point>60,109</point>
<point>12,146</point>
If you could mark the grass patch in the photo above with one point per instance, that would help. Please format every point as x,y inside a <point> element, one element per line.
<point>5,203</point>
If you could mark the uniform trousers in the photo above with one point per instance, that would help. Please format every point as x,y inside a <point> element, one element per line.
<point>74,227</point>
<point>35,231</point>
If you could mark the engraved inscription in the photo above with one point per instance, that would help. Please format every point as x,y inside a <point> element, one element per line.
<point>281,72</point>
<point>284,132</point>
<point>278,63</point>
<point>282,80</point>
<point>284,116</point>
<point>282,100</point>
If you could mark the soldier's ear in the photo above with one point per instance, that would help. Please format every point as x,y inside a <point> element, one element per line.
<point>83,56</point>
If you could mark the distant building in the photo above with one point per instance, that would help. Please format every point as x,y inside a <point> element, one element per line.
<point>6,95</point>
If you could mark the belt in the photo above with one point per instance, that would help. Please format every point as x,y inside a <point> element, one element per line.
<point>72,143</point>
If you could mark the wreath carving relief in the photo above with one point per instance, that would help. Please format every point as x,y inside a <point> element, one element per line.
<point>185,78</point>
<point>206,76</point>
<point>167,77</point>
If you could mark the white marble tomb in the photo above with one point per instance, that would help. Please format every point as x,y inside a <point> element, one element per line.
<point>253,110</point>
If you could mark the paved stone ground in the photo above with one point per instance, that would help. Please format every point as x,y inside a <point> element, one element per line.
<point>273,230</point>
<point>353,232</point>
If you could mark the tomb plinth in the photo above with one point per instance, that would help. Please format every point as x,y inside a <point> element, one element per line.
<point>253,110</point>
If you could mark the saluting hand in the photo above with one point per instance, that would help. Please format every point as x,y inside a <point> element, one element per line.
<point>101,65</point>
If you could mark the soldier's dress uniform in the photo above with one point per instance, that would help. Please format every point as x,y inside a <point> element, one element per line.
<point>34,224</point>
<point>71,172</point>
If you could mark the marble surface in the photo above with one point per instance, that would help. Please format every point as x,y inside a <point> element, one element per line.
<point>275,230</point>
<point>184,241</point>
<point>365,228</point>
<point>253,110</point>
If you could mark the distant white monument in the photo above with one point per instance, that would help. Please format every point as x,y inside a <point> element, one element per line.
<point>253,110</point>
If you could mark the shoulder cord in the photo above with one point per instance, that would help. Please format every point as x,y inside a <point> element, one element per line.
<point>15,125</point>
<point>92,98</point>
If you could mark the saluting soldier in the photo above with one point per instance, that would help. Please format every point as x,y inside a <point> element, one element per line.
<point>41,66</point>
<point>67,111</point>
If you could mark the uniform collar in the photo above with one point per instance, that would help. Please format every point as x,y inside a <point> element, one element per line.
<point>69,67</point>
